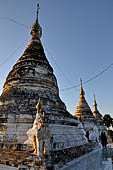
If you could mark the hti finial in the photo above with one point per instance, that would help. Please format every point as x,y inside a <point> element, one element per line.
<point>95,104</point>
<point>36,30</point>
<point>81,82</point>
<point>82,93</point>
<point>94,97</point>
<point>38,7</point>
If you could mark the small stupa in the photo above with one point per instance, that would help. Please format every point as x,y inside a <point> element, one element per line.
<point>84,113</point>
<point>98,117</point>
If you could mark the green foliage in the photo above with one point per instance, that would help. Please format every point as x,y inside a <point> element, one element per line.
<point>107,120</point>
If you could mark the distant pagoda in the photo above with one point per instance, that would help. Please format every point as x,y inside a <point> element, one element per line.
<point>31,77</point>
<point>84,113</point>
<point>98,117</point>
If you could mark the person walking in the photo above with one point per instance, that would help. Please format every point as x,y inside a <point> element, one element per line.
<point>103,139</point>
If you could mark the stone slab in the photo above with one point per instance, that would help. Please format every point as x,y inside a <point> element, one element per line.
<point>89,161</point>
<point>4,167</point>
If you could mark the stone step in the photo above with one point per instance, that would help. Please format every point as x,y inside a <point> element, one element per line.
<point>4,167</point>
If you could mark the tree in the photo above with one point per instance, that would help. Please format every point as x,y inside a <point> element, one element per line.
<point>107,120</point>
<point>112,122</point>
<point>110,133</point>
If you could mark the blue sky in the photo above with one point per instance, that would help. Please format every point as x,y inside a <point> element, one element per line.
<point>78,42</point>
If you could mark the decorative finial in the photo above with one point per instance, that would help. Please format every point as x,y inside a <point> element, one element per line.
<point>82,93</point>
<point>81,82</point>
<point>94,97</point>
<point>38,7</point>
<point>36,29</point>
<point>95,106</point>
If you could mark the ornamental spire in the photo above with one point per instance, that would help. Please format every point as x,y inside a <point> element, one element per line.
<point>81,82</point>
<point>36,29</point>
<point>94,98</point>
<point>95,104</point>
<point>82,93</point>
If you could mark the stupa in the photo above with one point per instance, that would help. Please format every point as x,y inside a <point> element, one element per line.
<point>98,117</point>
<point>57,136</point>
<point>31,76</point>
<point>84,113</point>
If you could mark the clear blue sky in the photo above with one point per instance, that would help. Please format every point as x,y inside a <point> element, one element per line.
<point>79,37</point>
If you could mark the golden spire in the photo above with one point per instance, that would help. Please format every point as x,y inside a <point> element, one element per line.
<point>82,93</point>
<point>95,104</point>
<point>36,28</point>
<point>95,100</point>
<point>81,82</point>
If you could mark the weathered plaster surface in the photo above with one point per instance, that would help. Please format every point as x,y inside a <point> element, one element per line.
<point>31,76</point>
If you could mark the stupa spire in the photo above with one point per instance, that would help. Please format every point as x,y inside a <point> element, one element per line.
<point>98,117</point>
<point>95,104</point>
<point>36,29</point>
<point>82,93</point>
